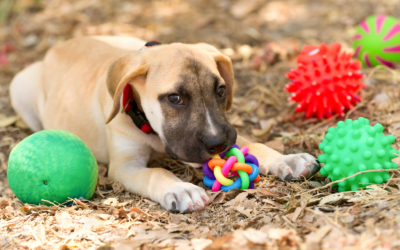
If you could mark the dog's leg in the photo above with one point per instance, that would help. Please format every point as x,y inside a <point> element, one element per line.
<point>128,160</point>
<point>26,94</point>
<point>285,167</point>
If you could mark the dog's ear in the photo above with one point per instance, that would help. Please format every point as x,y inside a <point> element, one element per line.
<point>128,69</point>
<point>224,65</point>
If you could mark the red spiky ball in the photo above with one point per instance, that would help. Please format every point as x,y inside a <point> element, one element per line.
<point>325,82</point>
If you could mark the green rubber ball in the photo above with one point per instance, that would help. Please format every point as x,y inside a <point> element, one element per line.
<point>52,165</point>
<point>355,146</point>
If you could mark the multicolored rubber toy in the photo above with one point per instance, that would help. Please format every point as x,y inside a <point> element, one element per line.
<point>325,82</point>
<point>355,146</point>
<point>378,41</point>
<point>237,160</point>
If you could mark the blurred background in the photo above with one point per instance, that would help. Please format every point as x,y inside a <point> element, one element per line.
<point>263,39</point>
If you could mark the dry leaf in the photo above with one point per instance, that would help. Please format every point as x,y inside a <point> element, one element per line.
<point>382,101</point>
<point>264,191</point>
<point>243,7</point>
<point>64,247</point>
<point>111,201</point>
<point>119,213</point>
<point>261,132</point>
<point>102,171</point>
<point>288,134</point>
<point>347,219</point>
<point>117,187</point>
<point>187,178</point>
<point>293,217</point>
<point>102,181</point>
<point>308,218</point>
<point>41,233</point>
<point>281,234</point>
<point>236,121</point>
<point>139,239</point>
<point>314,239</point>
<point>331,198</point>
<point>314,184</point>
<point>172,228</point>
<point>235,202</point>
<point>255,236</point>
<point>246,212</point>
<point>4,204</point>
<point>21,124</point>
<point>281,199</point>
<point>89,222</point>
<point>212,195</point>
<point>200,244</point>
<point>104,216</point>
<point>177,218</point>
<point>64,220</point>
<point>8,121</point>
<point>274,203</point>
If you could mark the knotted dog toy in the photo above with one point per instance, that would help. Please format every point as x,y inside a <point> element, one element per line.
<point>237,160</point>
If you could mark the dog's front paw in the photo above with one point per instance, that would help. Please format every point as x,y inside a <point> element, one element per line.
<point>184,197</point>
<point>292,166</point>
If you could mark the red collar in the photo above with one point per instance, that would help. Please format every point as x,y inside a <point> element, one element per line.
<point>130,106</point>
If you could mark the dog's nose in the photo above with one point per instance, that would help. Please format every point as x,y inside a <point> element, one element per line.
<point>215,145</point>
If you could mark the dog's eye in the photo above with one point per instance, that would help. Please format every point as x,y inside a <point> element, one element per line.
<point>175,99</point>
<point>221,91</point>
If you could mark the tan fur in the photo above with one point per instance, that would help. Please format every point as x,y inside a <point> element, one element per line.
<point>79,90</point>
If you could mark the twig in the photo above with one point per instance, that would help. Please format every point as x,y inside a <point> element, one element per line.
<point>351,176</point>
<point>34,235</point>
<point>321,124</point>
<point>50,202</point>
<point>78,202</point>
<point>138,210</point>
<point>289,222</point>
<point>329,220</point>
<point>244,98</point>
<point>372,72</point>
<point>391,179</point>
<point>394,179</point>
<point>354,109</point>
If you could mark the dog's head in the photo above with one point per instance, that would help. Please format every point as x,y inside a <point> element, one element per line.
<point>185,91</point>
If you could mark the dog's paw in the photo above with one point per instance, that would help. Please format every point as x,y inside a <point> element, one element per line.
<point>294,166</point>
<point>184,197</point>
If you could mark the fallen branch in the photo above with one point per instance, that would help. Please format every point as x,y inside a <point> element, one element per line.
<point>351,176</point>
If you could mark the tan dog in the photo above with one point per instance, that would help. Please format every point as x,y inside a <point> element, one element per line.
<point>184,91</point>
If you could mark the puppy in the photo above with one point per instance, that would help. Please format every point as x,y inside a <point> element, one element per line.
<point>179,94</point>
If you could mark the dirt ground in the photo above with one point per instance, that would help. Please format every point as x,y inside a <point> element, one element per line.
<point>262,38</point>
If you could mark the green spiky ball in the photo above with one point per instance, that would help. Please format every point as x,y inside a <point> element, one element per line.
<point>355,146</point>
<point>52,165</point>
